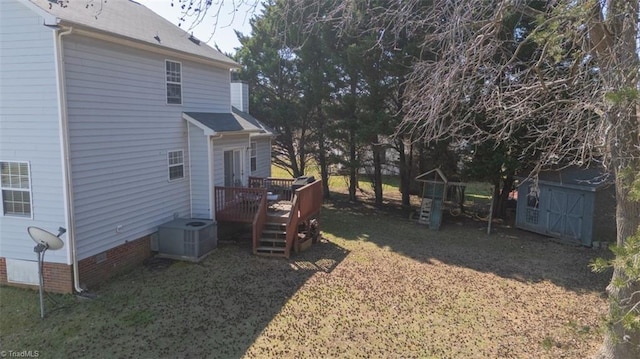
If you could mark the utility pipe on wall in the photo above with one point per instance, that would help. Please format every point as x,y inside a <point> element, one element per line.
<point>66,173</point>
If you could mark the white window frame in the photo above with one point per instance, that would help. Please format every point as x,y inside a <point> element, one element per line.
<point>172,82</point>
<point>253,156</point>
<point>172,165</point>
<point>28,190</point>
<point>244,177</point>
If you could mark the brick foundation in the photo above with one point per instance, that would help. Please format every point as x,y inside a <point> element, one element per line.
<point>3,271</point>
<point>58,277</point>
<point>98,268</point>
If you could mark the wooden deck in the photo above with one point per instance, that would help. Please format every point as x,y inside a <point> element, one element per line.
<point>281,218</point>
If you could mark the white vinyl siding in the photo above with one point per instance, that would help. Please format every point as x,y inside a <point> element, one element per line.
<point>30,127</point>
<point>15,189</point>
<point>201,187</point>
<point>228,143</point>
<point>121,131</point>
<point>240,96</point>
<point>263,157</point>
<point>174,82</point>
<point>175,161</point>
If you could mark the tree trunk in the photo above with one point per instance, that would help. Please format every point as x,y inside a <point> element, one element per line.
<point>618,343</point>
<point>405,173</point>
<point>614,43</point>
<point>377,172</point>
<point>302,154</point>
<point>503,198</point>
<point>495,197</point>
<point>353,168</point>
<point>323,163</point>
<point>292,155</point>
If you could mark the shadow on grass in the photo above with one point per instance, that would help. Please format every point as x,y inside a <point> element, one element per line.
<point>507,252</point>
<point>213,309</point>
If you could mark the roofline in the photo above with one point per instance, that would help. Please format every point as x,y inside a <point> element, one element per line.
<point>264,134</point>
<point>524,180</point>
<point>437,170</point>
<point>198,124</point>
<point>84,30</point>
<point>49,20</point>
<point>210,132</point>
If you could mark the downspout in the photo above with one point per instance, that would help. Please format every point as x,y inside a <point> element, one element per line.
<point>64,127</point>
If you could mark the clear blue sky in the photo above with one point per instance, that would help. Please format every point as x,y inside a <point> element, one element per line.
<point>223,33</point>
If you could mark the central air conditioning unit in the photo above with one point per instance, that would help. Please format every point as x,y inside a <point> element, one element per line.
<point>187,239</point>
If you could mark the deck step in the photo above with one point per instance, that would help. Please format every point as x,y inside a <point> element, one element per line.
<point>269,249</point>
<point>277,219</point>
<point>273,240</point>
<point>274,231</point>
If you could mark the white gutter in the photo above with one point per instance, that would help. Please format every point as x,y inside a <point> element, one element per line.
<point>66,162</point>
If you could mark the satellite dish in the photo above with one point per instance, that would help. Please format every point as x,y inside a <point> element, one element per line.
<point>44,240</point>
<point>47,239</point>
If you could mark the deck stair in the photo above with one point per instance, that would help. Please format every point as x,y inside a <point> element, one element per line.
<point>273,241</point>
<point>283,217</point>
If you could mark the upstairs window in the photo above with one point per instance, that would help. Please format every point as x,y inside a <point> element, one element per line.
<point>174,82</point>
<point>15,183</point>
<point>176,165</point>
<point>254,156</point>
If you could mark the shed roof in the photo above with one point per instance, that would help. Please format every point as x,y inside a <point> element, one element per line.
<point>131,20</point>
<point>216,123</point>
<point>586,178</point>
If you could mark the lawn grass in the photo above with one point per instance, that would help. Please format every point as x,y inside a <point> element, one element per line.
<point>377,285</point>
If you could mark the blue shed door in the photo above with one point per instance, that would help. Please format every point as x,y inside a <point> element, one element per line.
<point>564,214</point>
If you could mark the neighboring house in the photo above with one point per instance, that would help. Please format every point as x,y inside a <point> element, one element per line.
<point>112,122</point>
<point>574,204</point>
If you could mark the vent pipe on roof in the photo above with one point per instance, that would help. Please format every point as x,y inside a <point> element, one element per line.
<point>194,39</point>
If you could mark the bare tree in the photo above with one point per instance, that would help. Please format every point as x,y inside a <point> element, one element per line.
<point>565,78</point>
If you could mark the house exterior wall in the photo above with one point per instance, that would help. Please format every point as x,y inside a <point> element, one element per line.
<point>121,130</point>
<point>200,184</point>
<point>240,96</point>
<point>225,143</point>
<point>98,268</point>
<point>30,130</point>
<point>263,157</point>
<point>58,277</point>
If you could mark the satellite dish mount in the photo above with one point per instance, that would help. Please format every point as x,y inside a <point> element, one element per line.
<point>44,240</point>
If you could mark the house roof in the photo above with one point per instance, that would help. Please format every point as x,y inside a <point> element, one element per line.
<point>131,20</point>
<point>254,121</point>
<point>216,123</point>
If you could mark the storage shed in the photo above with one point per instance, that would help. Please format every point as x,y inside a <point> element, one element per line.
<point>573,204</point>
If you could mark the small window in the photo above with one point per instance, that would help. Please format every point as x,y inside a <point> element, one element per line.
<point>532,197</point>
<point>16,189</point>
<point>176,165</point>
<point>254,156</point>
<point>174,82</point>
<point>532,213</point>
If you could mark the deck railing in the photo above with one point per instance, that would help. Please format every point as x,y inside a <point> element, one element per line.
<point>259,221</point>
<point>306,203</point>
<point>279,186</point>
<point>238,204</point>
